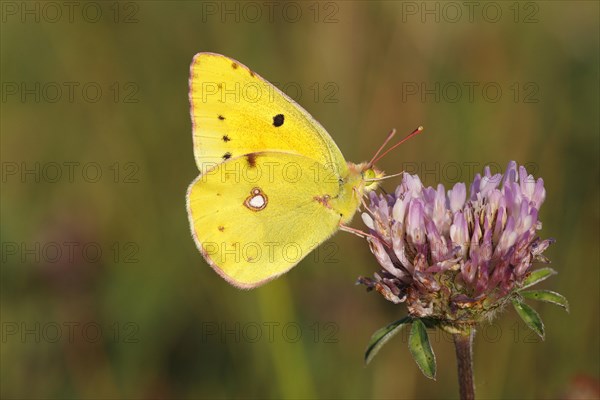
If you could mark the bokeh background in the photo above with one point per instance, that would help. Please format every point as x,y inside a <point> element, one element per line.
<point>103,293</point>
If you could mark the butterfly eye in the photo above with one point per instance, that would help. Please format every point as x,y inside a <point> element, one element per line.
<point>371,177</point>
<point>368,174</point>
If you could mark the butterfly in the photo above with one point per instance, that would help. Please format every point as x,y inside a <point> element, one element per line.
<point>273,184</point>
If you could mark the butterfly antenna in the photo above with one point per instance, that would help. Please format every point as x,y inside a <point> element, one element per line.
<point>386,141</point>
<point>410,135</point>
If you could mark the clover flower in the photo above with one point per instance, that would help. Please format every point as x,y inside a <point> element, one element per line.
<point>456,258</point>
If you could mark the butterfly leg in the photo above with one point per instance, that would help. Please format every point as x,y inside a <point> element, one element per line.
<point>363,234</point>
<point>357,232</point>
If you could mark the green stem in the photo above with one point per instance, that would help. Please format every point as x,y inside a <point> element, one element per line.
<point>464,357</point>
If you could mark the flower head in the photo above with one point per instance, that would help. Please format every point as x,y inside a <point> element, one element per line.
<point>456,256</point>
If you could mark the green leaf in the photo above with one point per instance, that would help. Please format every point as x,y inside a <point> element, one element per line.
<point>547,296</point>
<point>381,337</point>
<point>530,317</point>
<point>537,276</point>
<point>418,344</point>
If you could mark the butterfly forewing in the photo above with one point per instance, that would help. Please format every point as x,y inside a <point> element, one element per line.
<point>236,112</point>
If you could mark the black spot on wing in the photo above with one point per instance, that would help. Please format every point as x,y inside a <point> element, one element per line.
<point>278,120</point>
<point>221,228</point>
<point>234,65</point>
<point>227,156</point>
<point>221,117</point>
<point>226,138</point>
<point>251,160</point>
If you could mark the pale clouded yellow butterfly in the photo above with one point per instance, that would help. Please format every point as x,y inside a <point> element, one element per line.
<point>273,185</point>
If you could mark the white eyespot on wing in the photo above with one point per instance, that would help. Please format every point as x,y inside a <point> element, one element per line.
<point>257,200</point>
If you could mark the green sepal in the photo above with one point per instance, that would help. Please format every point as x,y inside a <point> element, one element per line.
<point>420,348</point>
<point>381,336</point>
<point>547,296</point>
<point>537,276</point>
<point>530,317</point>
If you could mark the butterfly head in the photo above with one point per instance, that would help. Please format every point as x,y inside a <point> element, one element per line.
<point>371,177</point>
<point>367,177</point>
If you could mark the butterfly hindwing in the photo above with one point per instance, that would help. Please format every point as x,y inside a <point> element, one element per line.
<point>254,217</point>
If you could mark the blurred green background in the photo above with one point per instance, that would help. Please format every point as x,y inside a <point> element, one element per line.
<point>147,318</point>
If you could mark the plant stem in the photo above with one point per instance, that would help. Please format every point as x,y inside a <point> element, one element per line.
<point>463,342</point>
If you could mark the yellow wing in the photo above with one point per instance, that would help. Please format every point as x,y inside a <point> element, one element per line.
<point>236,112</point>
<point>254,217</point>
